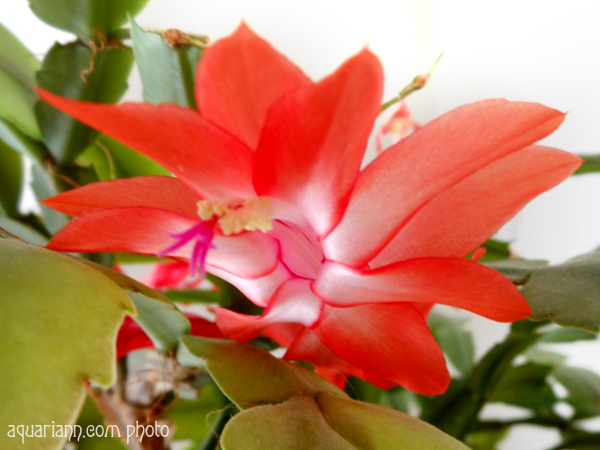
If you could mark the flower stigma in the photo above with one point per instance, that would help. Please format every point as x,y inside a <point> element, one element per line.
<point>232,216</point>
<point>201,235</point>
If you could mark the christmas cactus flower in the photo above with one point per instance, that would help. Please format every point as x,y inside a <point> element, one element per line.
<point>269,195</point>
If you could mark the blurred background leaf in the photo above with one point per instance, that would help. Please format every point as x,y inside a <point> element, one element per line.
<point>568,293</point>
<point>456,343</point>
<point>87,18</point>
<point>76,71</point>
<point>13,177</point>
<point>17,69</point>
<point>167,69</point>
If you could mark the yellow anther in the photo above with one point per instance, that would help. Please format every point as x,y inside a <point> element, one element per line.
<point>208,209</point>
<point>236,216</point>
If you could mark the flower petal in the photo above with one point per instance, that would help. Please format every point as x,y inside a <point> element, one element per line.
<point>251,255</point>
<point>430,161</point>
<point>131,337</point>
<point>464,216</point>
<point>283,333</point>
<point>145,230</point>
<point>154,191</point>
<point>239,78</point>
<point>171,275</point>
<point>300,254</point>
<point>206,158</point>
<point>294,302</point>
<point>455,282</point>
<point>391,341</point>
<point>308,348</point>
<point>259,291</point>
<point>132,229</point>
<point>314,140</point>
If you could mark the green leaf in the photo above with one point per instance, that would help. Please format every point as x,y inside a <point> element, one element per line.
<point>590,164</point>
<point>581,440</point>
<point>60,320</point>
<point>544,357</point>
<point>398,398</point>
<point>562,335</point>
<point>15,139</point>
<point>111,159</point>
<point>495,250</point>
<point>91,416</point>
<point>371,427</point>
<point>568,294</point>
<point>132,258</point>
<point>45,185</point>
<point>248,375</point>
<point>454,341</point>
<point>456,411</point>
<point>363,390</point>
<point>13,177</point>
<point>156,314</point>
<point>167,71</point>
<point>296,424</point>
<point>486,440</point>
<point>129,284</point>
<point>86,18</point>
<point>162,322</point>
<point>584,390</point>
<point>194,418</point>
<point>526,386</point>
<point>194,296</point>
<point>23,231</point>
<point>66,71</point>
<point>17,68</point>
<point>517,270</point>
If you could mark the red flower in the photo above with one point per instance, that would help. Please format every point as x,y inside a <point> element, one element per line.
<point>171,275</point>
<point>347,263</point>
<point>398,125</point>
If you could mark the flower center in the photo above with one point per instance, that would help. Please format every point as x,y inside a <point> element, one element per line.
<point>201,235</point>
<point>232,216</point>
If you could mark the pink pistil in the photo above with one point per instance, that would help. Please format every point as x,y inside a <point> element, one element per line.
<point>202,235</point>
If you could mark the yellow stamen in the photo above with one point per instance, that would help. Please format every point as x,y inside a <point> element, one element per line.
<point>236,216</point>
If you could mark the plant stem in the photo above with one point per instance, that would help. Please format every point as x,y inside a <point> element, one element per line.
<point>456,412</point>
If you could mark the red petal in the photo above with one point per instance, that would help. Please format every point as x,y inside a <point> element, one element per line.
<point>154,191</point>
<point>283,333</point>
<point>390,341</point>
<point>171,275</point>
<point>430,161</point>
<point>301,255</point>
<point>131,337</point>
<point>307,347</point>
<point>314,140</point>
<point>259,290</point>
<point>209,160</point>
<point>455,282</point>
<point>239,78</point>
<point>464,216</point>
<point>293,303</point>
<point>132,230</point>
<point>145,230</point>
<point>251,255</point>
<point>205,328</point>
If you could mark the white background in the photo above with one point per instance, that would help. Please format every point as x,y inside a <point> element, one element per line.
<point>540,51</point>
